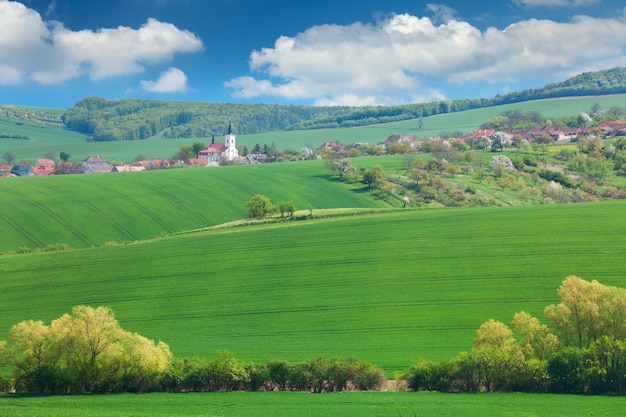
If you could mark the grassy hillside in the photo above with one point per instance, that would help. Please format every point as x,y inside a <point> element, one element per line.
<point>387,288</point>
<point>90,210</point>
<point>55,140</point>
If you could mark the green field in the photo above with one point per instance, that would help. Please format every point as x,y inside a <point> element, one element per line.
<point>44,140</point>
<point>353,404</point>
<point>91,210</point>
<point>387,288</point>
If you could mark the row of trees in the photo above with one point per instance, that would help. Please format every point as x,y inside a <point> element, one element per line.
<point>260,206</point>
<point>585,354</point>
<point>316,375</point>
<point>88,351</point>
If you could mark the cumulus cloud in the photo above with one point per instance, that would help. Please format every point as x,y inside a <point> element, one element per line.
<point>441,12</point>
<point>391,61</point>
<point>172,80</point>
<point>48,53</point>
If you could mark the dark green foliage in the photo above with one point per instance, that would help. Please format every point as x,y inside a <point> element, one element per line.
<point>318,375</point>
<point>556,177</point>
<point>133,119</point>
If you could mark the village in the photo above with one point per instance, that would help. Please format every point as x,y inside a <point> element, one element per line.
<point>227,153</point>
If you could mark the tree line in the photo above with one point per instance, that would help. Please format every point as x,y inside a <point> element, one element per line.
<point>584,350</point>
<point>88,352</point>
<point>135,119</point>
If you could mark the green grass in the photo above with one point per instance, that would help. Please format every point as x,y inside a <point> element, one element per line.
<point>387,288</point>
<point>379,404</point>
<point>56,140</point>
<point>90,210</point>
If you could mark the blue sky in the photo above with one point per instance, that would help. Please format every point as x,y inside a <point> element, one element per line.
<point>322,52</point>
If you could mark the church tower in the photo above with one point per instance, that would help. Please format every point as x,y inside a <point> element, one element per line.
<point>229,142</point>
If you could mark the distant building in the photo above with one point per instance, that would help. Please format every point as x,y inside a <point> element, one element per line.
<point>95,164</point>
<point>22,170</point>
<point>216,152</point>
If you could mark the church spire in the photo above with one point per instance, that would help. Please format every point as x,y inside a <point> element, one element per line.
<point>230,128</point>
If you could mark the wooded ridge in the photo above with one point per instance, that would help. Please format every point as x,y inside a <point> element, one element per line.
<point>134,119</point>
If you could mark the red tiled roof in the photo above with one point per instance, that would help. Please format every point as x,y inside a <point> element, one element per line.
<point>483,132</point>
<point>43,170</point>
<point>45,162</point>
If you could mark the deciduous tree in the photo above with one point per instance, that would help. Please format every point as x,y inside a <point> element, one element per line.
<point>259,206</point>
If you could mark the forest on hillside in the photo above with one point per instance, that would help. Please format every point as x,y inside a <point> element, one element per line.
<point>134,119</point>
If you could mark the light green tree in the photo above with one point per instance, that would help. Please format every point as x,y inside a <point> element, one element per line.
<point>259,206</point>
<point>587,311</point>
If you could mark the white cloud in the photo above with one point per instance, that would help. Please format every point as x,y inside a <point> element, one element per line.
<point>555,3</point>
<point>391,61</point>
<point>48,53</point>
<point>441,12</point>
<point>172,80</point>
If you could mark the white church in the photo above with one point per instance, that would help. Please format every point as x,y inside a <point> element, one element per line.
<point>215,152</point>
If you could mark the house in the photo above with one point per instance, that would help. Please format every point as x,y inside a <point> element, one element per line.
<point>128,168</point>
<point>41,171</point>
<point>329,146</point>
<point>4,169</point>
<point>44,166</point>
<point>483,132</point>
<point>401,139</point>
<point>256,158</point>
<point>216,152</point>
<point>94,165</point>
<point>612,125</point>
<point>22,170</point>
<point>45,162</point>
<point>197,161</point>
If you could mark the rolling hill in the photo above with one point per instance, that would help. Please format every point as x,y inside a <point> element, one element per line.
<point>54,140</point>
<point>91,210</point>
<point>388,288</point>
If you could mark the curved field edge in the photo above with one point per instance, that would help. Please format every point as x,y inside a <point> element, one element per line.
<point>374,404</point>
<point>387,288</point>
<point>91,210</point>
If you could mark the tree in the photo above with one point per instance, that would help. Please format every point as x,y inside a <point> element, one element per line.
<point>373,176</point>
<point>9,157</point>
<point>288,207</point>
<point>584,120</point>
<point>65,156</point>
<point>196,148</point>
<point>587,311</point>
<point>502,162</point>
<point>185,152</point>
<point>496,354</point>
<point>537,341</point>
<point>258,207</point>
<point>86,351</point>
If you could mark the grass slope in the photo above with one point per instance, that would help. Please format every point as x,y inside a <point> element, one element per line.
<point>294,404</point>
<point>56,140</point>
<point>90,210</point>
<point>387,288</point>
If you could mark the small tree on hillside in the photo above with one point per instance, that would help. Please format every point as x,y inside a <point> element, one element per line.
<point>259,206</point>
<point>65,156</point>
<point>286,207</point>
<point>9,157</point>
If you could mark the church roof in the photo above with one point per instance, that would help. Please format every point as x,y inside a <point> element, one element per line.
<point>213,147</point>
